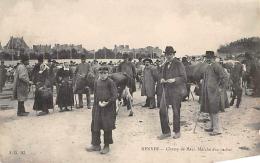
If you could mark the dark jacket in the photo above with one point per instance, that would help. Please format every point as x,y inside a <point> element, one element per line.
<point>104,117</point>
<point>129,69</point>
<point>174,91</point>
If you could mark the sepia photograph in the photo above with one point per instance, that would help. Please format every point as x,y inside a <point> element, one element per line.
<point>129,81</point>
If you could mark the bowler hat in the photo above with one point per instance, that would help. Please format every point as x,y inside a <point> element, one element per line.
<point>147,59</point>
<point>169,50</point>
<point>210,54</point>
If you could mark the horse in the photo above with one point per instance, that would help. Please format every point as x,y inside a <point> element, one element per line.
<point>195,74</point>
<point>252,75</point>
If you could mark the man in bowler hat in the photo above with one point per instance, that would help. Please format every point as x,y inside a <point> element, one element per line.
<point>214,82</point>
<point>174,89</point>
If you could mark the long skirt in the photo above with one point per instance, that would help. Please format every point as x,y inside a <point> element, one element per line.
<point>65,95</point>
<point>43,99</point>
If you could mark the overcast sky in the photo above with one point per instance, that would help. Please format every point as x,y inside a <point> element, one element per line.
<point>190,26</point>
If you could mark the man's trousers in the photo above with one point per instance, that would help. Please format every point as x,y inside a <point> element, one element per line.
<point>164,118</point>
<point>215,122</point>
<point>88,99</point>
<point>96,137</point>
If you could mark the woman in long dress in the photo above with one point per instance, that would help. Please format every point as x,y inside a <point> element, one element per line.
<point>65,89</point>
<point>43,99</point>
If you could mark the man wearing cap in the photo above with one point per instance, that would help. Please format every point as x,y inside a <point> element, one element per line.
<point>148,86</point>
<point>174,88</point>
<point>3,74</point>
<point>21,85</point>
<point>104,111</point>
<point>214,82</point>
<point>128,68</point>
<point>81,74</point>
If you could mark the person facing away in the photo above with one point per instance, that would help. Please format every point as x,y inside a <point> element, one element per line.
<point>235,80</point>
<point>81,74</point>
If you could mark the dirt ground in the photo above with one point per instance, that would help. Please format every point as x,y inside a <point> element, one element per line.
<point>62,137</point>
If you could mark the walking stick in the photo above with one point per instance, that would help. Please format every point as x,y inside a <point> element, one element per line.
<point>196,120</point>
<point>165,105</point>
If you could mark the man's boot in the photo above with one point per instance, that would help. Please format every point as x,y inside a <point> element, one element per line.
<point>93,148</point>
<point>232,102</point>
<point>176,135</point>
<point>147,102</point>
<point>238,103</point>
<point>105,150</point>
<point>164,136</point>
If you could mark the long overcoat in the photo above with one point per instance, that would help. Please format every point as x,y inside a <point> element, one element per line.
<point>214,78</point>
<point>149,80</point>
<point>104,117</point>
<point>21,83</point>
<point>174,92</point>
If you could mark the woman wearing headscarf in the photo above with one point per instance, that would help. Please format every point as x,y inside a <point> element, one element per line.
<point>65,90</point>
<point>43,99</point>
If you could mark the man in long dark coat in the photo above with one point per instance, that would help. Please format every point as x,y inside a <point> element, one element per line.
<point>174,88</point>
<point>236,79</point>
<point>148,86</point>
<point>81,74</point>
<point>214,82</point>
<point>104,111</point>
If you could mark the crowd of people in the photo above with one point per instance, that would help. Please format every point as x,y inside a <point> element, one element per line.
<point>165,83</point>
